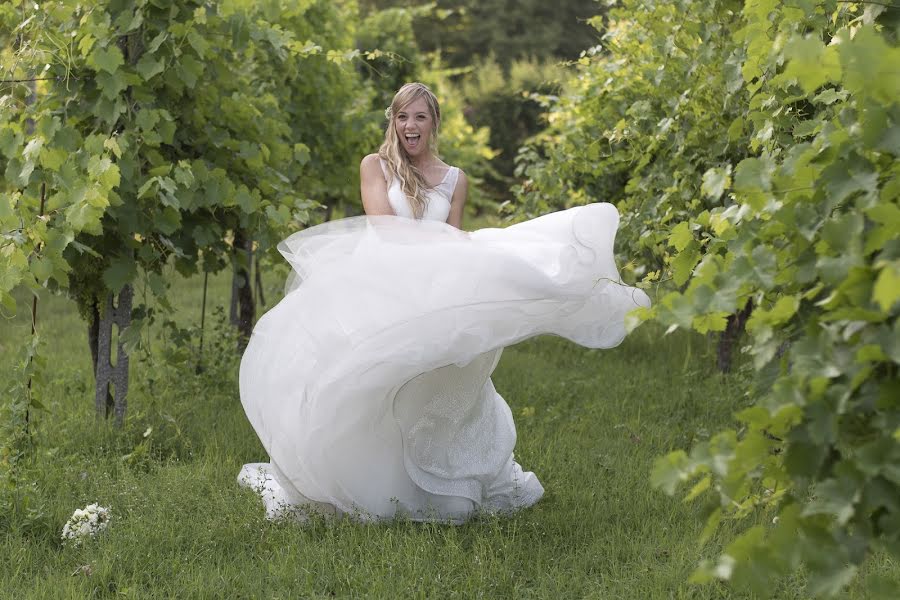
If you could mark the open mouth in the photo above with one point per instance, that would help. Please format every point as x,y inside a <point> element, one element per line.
<point>412,140</point>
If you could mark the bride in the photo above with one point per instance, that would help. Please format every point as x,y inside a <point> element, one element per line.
<point>369,383</point>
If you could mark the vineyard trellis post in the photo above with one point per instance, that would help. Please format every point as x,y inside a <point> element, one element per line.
<point>243,306</point>
<point>106,373</point>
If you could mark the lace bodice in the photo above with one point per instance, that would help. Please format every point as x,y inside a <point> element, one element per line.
<point>438,205</point>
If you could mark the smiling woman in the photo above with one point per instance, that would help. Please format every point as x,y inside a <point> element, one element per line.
<point>369,384</point>
<point>407,177</point>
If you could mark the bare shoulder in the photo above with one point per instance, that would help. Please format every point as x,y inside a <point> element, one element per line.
<point>462,184</point>
<point>370,162</point>
<point>458,201</point>
<point>461,192</point>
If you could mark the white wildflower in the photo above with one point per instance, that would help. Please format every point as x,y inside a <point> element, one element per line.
<point>84,523</point>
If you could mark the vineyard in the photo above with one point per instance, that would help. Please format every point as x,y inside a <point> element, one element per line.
<point>155,151</point>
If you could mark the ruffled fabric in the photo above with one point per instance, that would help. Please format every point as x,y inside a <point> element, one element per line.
<point>369,383</point>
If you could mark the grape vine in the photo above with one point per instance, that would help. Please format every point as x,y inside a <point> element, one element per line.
<point>752,148</point>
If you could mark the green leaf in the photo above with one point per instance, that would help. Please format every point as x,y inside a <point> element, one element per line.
<point>16,263</point>
<point>832,582</point>
<point>86,43</point>
<point>715,182</point>
<point>887,287</point>
<point>149,66</point>
<point>753,174</point>
<point>684,263</point>
<point>106,59</point>
<point>184,175</point>
<point>830,96</point>
<point>301,154</point>
<point>53,158</point>
<point>700,487</point>
<point>870,65</point>
<point>670,471</point>
<point>811,63</point>
<point>197,42</point>
<point>8,303</point>
<point>121,271</point>
<point>676,309</point>
<point>834,498</point>
<point>10,141</point>
<point>111,85</point>
<point>736,130</point>
<point>84,217</point>
<point>806,128</point>
<point>753,179</point>
<point>156,42</point>
<point>245,200</point>
<point>112,145</point>
<point>716,321</point>
<point>189,71</point>
<point>42,268</point>
<point>168,221</point>
<point>784,309</point>
<point>681,236</point>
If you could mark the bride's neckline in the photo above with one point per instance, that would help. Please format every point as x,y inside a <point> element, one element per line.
<point>430,187</point>
<point>443,179</point>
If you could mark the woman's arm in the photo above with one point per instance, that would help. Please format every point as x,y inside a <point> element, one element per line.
<point>458,201</point>
<point>373,187</point>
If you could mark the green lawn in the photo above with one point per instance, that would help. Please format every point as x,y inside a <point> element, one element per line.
<point>590,424</point>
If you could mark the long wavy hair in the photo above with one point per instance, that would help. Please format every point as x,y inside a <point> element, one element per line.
<point>412,180</point>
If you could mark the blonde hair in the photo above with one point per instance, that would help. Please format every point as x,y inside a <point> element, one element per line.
<point>412,180</point>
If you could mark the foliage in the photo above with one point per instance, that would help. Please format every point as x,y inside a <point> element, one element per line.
<point>642,117</point>
<point>461,144</point>
<point>501,100</point>
<point>400,60</point>
<point>20,504</point>
<point>467,30</point>
<point>163,126</point>
<point>769,176</point>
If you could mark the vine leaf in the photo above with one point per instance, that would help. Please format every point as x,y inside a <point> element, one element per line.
<point>106,59</point>
<point>887,287</point>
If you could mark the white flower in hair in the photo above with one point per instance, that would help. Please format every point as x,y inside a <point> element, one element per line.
<point>388,113</point>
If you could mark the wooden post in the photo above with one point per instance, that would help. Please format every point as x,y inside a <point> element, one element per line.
<point>243,307</point>
<point>107,373</point>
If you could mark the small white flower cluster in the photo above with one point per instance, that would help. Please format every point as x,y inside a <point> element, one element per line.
<point>85,522</point>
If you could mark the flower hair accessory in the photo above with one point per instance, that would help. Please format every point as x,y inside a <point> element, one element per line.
<point>388,113</point>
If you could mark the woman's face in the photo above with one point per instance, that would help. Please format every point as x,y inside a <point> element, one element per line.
<point>414,124</point>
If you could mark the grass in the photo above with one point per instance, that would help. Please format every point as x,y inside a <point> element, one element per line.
<point>590,425</point>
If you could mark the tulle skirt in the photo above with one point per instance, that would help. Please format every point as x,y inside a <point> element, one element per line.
<point>369,383</point>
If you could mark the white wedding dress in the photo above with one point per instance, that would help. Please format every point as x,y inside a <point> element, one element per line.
<point>369,383</point>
